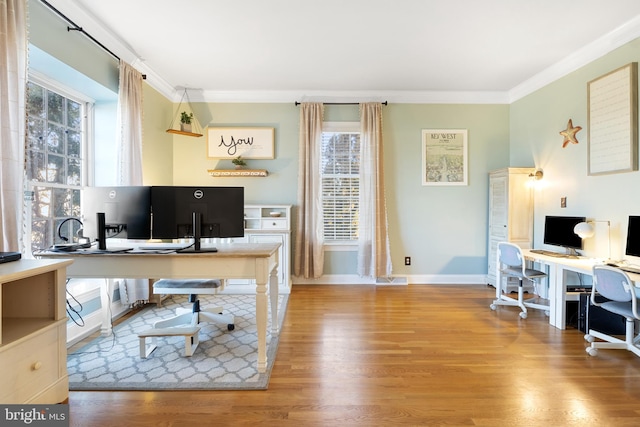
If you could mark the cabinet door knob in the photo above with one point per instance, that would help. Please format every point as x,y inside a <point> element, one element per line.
<point>36,366</point>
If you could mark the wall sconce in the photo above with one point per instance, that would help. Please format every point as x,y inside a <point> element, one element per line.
<point>537,175</point>
<point>587,230</point>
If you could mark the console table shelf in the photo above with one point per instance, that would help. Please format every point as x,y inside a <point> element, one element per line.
<point>33,331</point>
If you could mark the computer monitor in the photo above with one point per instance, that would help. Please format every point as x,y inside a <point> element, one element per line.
<point>558,231</point>
<point>195,212</point>
<point>127,213</point>
<point>633,236</point>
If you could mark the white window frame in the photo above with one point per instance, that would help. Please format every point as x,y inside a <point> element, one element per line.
<point>346,127</point>
<point>85,146</point>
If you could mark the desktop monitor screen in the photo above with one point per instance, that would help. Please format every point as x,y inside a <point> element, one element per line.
<point>633,236</point>
<point>127,211</point>
<point>221,211</point>
<point>558,231</point>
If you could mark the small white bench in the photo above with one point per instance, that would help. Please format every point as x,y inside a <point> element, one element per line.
<point>190,334</point>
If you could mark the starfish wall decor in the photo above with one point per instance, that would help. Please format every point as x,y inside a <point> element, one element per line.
<point>570,134</point>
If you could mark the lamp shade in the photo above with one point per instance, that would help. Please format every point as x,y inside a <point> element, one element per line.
<point>584,230</point>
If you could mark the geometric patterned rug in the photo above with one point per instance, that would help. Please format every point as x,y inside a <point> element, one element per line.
<point>223,360</point>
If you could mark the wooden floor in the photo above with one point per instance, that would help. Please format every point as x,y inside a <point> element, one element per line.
<point>403,355</point>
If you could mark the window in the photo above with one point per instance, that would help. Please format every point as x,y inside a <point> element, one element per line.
<point>55,163</point>
<point>340,171</point>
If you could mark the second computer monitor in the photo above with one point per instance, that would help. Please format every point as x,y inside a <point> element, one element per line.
<point>633,236</point>
<point>220,210</point>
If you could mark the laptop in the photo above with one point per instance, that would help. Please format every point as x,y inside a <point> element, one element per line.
<point>9,256</point>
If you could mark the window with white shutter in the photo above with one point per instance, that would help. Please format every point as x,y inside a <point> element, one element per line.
<point>340,181</point>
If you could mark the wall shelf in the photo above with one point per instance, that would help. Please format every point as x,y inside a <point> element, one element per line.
<point>237,172</point>
<point>179,132</point>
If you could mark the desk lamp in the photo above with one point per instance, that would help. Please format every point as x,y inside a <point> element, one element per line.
<point>586,230</point>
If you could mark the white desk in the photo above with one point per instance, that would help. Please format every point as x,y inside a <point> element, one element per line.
<point>257,261</point>
<point>557,288</point>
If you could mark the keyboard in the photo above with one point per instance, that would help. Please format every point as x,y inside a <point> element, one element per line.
<point>551,253</point>
<point>625,268</point>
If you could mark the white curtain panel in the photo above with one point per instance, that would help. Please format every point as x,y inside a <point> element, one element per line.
<point>374,255</point>
<point>13,71</point>
<point>130,126</point>
<point>130,157</point>
<point>309,250</point>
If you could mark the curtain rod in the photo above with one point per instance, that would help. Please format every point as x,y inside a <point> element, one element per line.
<point>77,28</point>
<point>342,103</point>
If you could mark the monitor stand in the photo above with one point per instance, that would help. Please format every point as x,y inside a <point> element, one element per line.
<point>196,221</point>
<point>572,253</point>
<point>102,238</point>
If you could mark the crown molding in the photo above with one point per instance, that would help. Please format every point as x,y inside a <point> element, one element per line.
<point>393,97</point>
<point>589,53</point>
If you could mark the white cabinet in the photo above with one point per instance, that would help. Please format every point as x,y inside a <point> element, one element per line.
<point>270,224</point>
<point>510,212</point>
<point>33,331</point>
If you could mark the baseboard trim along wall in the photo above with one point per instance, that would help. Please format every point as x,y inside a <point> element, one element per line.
<point>427,279</point>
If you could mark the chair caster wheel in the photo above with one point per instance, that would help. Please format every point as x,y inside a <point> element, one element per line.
<point>493,307</point>
<point>546,313</point>
<point>589,338</point>
<point>523,315</point>
<point>592,351</point>
<point>231,327</point>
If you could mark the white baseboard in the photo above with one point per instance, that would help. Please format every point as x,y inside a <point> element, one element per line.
<point>427,279</point>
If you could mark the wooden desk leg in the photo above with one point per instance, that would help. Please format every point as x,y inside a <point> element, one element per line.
<point>261,322</point>
<point>273,293</point>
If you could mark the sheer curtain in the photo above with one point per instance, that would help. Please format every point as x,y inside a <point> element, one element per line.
<point>129,126</point>
<point>309,252</point>
<point>130,157</point>
<point>13,72</point>
<point>374,256</point>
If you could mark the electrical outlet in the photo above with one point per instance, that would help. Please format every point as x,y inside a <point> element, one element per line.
<point>563,202</point>
<point>407,260</point>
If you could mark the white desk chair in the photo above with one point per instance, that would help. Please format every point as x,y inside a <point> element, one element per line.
<point>615,285</point>
<point>511,263</point>
<point>194,315</point>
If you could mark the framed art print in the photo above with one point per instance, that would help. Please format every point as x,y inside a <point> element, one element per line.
<point>444,157</point>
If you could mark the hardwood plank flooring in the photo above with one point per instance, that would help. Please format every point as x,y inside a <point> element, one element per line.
<point>403,355</point>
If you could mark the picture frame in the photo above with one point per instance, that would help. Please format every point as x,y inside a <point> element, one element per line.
<point>444,157</point>
<point>612,121</point>
<point>248,142</point>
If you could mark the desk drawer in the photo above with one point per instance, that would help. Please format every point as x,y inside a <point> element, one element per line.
<point>274,224</point>
<point>34,366</point>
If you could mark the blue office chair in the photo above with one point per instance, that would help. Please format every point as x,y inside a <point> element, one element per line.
<point>616,286</point>
<point>511,263</point>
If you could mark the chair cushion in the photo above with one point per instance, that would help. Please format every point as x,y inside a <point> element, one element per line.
<point>529,273</point>
<point>622,308</point>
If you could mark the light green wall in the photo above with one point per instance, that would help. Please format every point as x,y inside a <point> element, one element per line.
<point>49,32</point>
<point>536,121</point>
<point>443,229</point>
<point>157,144</point>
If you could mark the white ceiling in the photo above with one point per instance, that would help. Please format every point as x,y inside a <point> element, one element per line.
<point>356,50</point>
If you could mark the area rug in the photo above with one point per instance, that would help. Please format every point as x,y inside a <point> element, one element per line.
<point>223,360</point>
